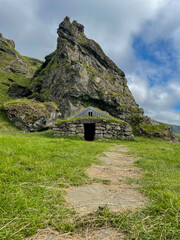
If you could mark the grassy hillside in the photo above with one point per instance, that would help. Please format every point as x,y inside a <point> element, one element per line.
<point>37,168</point>
<point>175,128</point>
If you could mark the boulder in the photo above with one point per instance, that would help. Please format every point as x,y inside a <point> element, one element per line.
<point>30,115</point>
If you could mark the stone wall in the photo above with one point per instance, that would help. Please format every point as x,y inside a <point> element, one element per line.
<point>103,129</point>
<point>113,130</point>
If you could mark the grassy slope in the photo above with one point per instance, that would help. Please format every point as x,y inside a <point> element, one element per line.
<point>175,128</point>
<point>36,168</point>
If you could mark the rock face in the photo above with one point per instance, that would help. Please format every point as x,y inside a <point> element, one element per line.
<point>30,115</point>
<point>16,90</point>
<point>78,74</point>
<point>103,129</point>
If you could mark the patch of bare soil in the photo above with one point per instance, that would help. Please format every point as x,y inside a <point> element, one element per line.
<point>117,196</point>
<point>120,148</point>
<point>114,174</point>
<point>88,198</point>
<point>102,234</point>
<point>117,158</point>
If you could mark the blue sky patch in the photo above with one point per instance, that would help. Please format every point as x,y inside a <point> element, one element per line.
<point>177,107</point>
<point>160,54</point>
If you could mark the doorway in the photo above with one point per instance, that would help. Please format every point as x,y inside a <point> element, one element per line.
<point>89,131</point>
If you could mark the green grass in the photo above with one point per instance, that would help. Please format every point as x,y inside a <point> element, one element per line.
<point>33,63</point>
<point>108,120</point>
<point>154,128</point>
<point>37,168</point>
<point>6,127</point>
<point>160,162</point>
<point>5,83</point>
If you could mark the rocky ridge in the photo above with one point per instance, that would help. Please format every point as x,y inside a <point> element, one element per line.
<point>12,62</point>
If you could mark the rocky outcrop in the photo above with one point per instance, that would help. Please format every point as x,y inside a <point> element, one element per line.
<point>79,74</point>
<point>12,62</point>
<point>19,91</point>
<point>103,129</point>
<point>158,131</point>
<point>30,115</point>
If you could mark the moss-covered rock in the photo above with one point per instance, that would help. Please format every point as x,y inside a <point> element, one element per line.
<point>159,131</point>
<point>30,115</point>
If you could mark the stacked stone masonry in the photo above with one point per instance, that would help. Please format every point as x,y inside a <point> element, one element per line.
<point>103,129</point>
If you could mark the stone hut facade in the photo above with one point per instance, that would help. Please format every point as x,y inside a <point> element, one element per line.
<point>93,124</point>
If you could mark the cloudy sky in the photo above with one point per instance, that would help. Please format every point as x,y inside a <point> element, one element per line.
<point>141,36</point>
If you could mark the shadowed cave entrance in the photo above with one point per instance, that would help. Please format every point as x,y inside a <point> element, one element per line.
<point>89,131</point>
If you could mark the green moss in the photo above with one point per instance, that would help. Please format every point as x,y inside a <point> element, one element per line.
<point>5,59</point>
<point>50,66</point>
<point>6,79</point>
<point>45,93</point>
<point>69,86</point>
<point>162,128</point>
<point>136,118</point>
<point>36,82</point>
<point>30,101</point>
<point>114,94</point>
<point>54,105</point>
<point>17,102</point>
<point>124,84</point>
<point>110,77</point>
<point>84,103</point>
<point>37,96</point>
<point>75,61</point>
<point>65,64</point>
<point>92,71</point>
<point>101,94</point>
<point>70,45</point>
<point>33,63</point>
<point>82,40</point>
<point>8,53</point>
<point>74,102</point>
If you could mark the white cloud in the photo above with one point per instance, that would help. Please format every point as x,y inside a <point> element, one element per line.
<point>157,101</point>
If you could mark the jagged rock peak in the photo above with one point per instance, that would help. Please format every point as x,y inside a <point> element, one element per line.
<point>73,33</point>
<point>78,74</point>
<point>68,26</point>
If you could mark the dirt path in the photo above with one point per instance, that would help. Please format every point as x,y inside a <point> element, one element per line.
<point>102,234</point>
<point>117,166</point>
